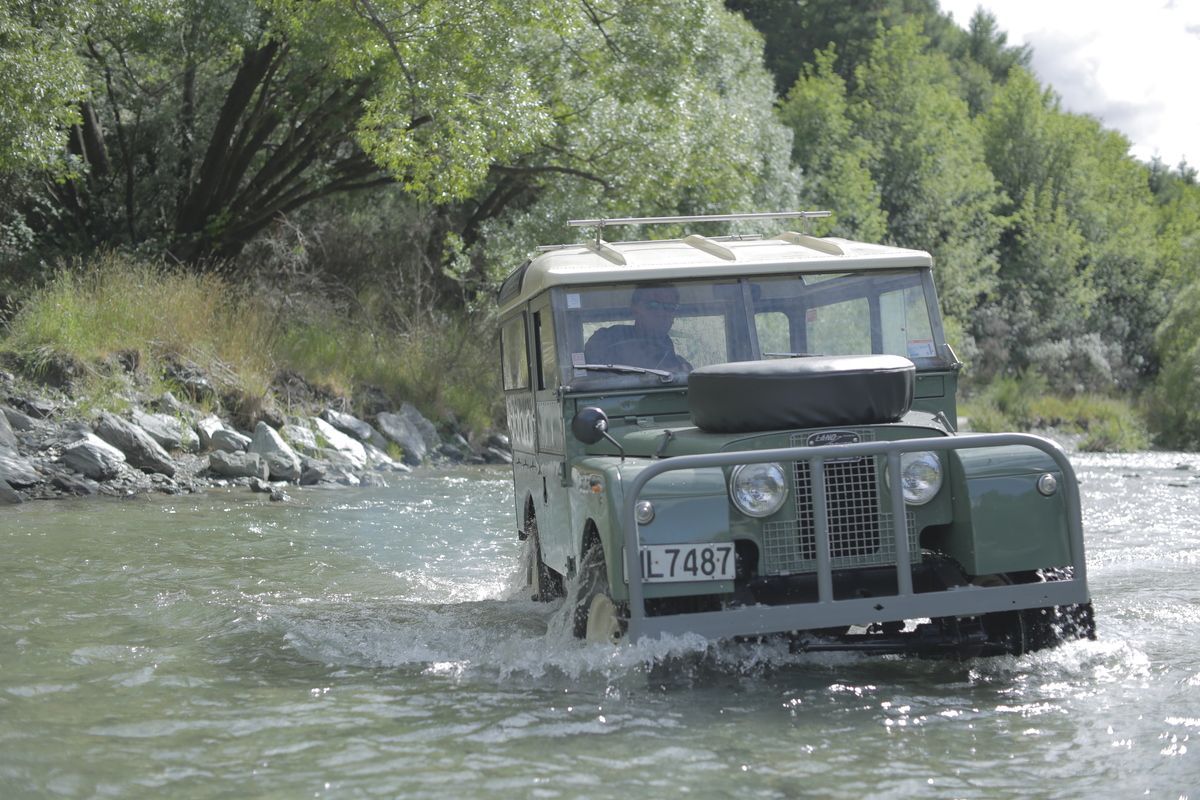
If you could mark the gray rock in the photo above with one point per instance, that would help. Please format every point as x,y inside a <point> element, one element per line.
<point>35,407</point>
<point>427,429</point>
<point>9,495</point>
<point>237,465</point>
<point>300,437</point>
<point>372,479</point>
<point>352,425</point>
<point>404,433</point>
<point>163,428</point>
<point>139,448</point>
<point>451,452</point>
<point>259,485</point>
<point>17,419</point>
<point>313,471</point>
<point>349,448</point>
<point>189,440</point>
<point>167,403</point>
<point>499,441</point>
<point>494,455</point>
<point>164,484</point>
<point>229,441</point>
<point>283,467</point>
<point>17,470</point>
<point>282,460</point>
<point>94,458</point>
<point>343,476</point>
<point>8,439</point>
<point>279,496</point>
<point>377,459</point>
<point>206,427</point>
<point>320,471</point>
<point>75,484</point>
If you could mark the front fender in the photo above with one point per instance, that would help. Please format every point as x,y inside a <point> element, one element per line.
<point>690,505</point>
<point>1002,523</point>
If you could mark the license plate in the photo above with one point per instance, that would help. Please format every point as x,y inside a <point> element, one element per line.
<point>666,563</point>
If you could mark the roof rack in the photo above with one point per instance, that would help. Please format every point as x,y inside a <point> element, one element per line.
<point>599,224</point>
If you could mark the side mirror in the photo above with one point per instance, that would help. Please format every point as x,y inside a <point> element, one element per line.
<point>589,425</point>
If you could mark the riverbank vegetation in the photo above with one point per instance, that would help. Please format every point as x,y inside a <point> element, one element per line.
<point>94,321</point>
<point>333,190</point>
<point>1098,422</point>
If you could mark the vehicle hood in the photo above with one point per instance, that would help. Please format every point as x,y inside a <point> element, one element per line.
<point>648,439</point>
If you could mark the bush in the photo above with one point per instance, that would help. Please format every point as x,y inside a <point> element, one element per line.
<point>1022,404</point>
<point>1174,400</point>
<point>92,318</point>
<point>119,308</point>
<point>984,417</point>
<point>1174,403</point>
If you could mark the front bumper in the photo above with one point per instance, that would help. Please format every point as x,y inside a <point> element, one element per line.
<point>825,606</point>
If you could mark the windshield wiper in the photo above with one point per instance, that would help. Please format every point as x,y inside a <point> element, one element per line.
<point>791,355</point>
<point>663,375</point>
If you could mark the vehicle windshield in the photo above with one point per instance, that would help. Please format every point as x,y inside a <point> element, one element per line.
<point>639,334</point>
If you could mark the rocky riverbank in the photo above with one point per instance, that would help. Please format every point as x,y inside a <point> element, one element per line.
<point>50,449</point>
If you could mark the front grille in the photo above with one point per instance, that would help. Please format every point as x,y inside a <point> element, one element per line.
<point>860,533</point>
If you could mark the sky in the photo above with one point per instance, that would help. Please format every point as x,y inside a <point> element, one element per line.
<point>1133,64</point>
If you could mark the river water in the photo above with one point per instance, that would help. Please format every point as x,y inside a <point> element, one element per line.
<point>373,643</point>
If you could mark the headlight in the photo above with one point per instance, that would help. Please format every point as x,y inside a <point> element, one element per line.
<point>758,490</point>
<point>920,477</point>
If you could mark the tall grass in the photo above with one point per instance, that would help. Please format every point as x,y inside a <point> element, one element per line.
<point>116,305</point>
<point>1025,403</point>
<point>447,366</point>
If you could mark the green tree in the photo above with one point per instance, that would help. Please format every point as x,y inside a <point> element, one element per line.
<point>41,79</point>
<point>705,141</point>
<point>1080,291</point>
<point>795,31</point>
<point>833,158</point>
<point>983,59</point>
<point>1046,292</point>
<point>1175,397</point>
<point>1177,197</point>
<point>926,156</point>
<point>217,116</point>
<point>214,119</point>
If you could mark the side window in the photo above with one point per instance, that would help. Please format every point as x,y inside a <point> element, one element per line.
<point>774,332</point>
<point>514,353</point>
<point>904,318</point>
<point>840,329</point>
<point>547,364</point>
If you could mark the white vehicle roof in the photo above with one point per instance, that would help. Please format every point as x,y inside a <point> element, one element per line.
<point>607,263</point>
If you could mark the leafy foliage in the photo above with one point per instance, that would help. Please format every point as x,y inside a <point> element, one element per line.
<point>927,159</point>
<point>397,157</point>
<point>40,78</point>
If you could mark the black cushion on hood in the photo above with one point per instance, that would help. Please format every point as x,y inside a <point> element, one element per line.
<point>816,392</point>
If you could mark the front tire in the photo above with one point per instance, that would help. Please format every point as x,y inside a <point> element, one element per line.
<point>597,617</point>
<point>1032,629</point>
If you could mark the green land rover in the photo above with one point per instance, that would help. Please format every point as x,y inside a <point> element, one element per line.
<point>747,436</point>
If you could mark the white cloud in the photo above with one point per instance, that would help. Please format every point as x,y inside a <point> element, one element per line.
<point>1131,64</point>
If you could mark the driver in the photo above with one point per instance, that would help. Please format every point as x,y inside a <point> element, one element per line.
<point>646,343</point>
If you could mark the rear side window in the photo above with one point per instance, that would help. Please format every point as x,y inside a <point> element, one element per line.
<point>543,342</point>
<point>514,353</point>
